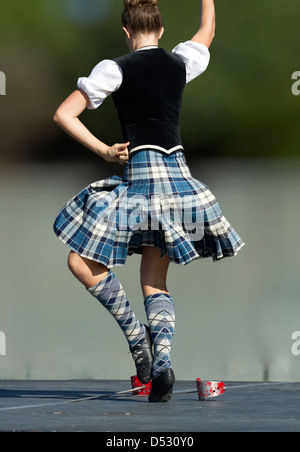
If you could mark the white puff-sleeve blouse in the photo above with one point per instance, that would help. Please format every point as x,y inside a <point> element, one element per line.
<point>107,77</point>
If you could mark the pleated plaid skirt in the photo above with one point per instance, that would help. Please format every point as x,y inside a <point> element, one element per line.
<point>156,203</point>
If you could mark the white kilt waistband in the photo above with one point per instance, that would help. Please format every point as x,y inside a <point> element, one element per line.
<point>156,148</point>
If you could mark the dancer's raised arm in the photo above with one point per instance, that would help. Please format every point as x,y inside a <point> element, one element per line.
<point>206,32</point>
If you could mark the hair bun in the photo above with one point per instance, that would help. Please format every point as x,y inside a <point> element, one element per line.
<point>142,16</point>
<point>136,3</point>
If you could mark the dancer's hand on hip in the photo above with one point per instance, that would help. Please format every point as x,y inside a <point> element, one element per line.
<point>118,153</point>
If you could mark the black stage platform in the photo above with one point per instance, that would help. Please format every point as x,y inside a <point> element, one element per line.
<point>44,406</point>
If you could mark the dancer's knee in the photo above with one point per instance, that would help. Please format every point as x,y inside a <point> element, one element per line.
<point>76,265</point>
<point>153,279</point>
<point>152,284</point>
<point>86,271</point>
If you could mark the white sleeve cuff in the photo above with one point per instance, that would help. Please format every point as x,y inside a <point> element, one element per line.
<point>104,79</point>
<point>195,56</point>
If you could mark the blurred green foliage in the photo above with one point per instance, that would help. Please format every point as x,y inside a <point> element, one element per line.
<point>242,106</point>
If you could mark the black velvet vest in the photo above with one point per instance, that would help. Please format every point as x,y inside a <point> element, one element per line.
<point>149,99</point>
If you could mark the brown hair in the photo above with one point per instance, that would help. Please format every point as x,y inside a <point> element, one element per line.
<point>143,16</point>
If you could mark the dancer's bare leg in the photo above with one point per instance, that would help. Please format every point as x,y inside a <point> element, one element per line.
<point>154,272</point>
<point>88,272</point>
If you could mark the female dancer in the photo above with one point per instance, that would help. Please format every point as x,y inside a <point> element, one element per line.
<point>157,209</point>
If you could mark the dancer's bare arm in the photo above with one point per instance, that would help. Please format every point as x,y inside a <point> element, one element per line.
<point>66,117</point>
<point>206,32</point>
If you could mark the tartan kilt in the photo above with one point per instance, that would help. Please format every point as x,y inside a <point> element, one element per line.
<point>156,203</point>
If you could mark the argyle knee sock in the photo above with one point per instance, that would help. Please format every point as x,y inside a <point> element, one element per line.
<point>160,312</point>
<point>110,293</point>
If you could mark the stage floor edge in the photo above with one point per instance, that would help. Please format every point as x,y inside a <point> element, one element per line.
<point>47,406</point>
